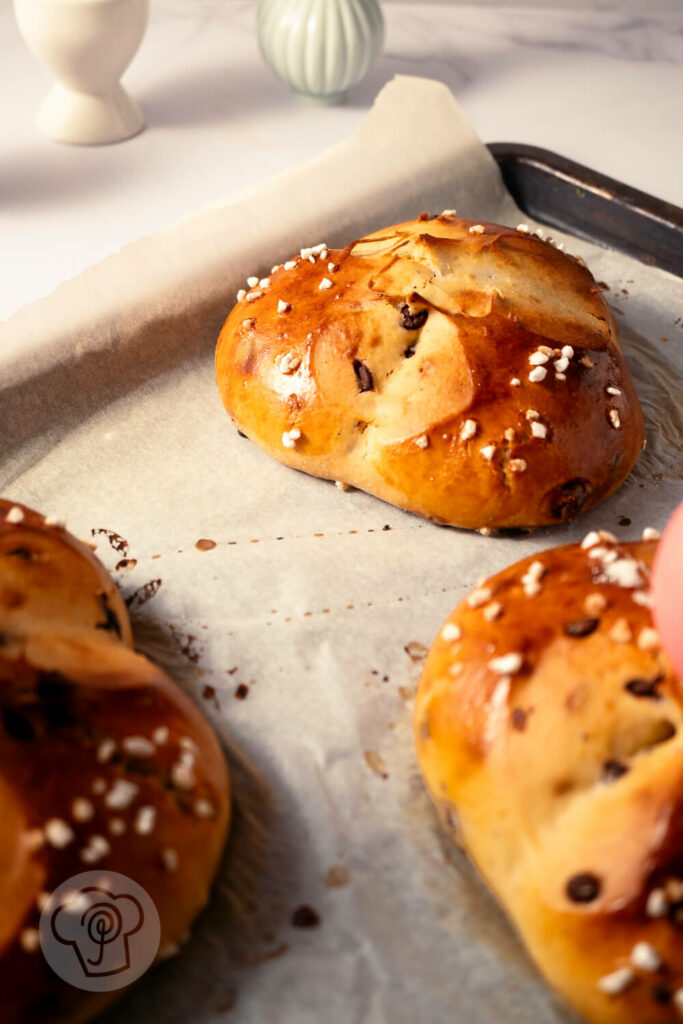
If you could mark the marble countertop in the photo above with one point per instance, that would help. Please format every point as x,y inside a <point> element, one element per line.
<point>603,88</point>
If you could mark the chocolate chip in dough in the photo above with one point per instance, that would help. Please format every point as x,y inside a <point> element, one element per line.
<point>413,321</point>
<point>18,725</point>
<point>613,770</point>
<point>111,622</point>
<point>363,376</point>
<point>519,719</point>
<point>581,627</point>
<point>661,994</point>
<point>567,500</point>
<point>23,553</point>
<point>56,698</point>
<point>583,888</point>
<point>645,687</point>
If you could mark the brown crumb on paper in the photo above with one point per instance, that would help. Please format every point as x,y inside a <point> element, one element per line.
<point>204,544</point>
<point>242,692</point>
<point>416,651</point>
<point>143,594</point>
<point>376,763</point>
<point>305,917</point>
<point>126,564</point>
<point>337,876</point>
<point>209,693</point>
<point>186,644</point>
<point>115,539</point>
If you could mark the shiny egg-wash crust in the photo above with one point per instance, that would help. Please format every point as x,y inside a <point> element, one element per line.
<point>466,372</point>
<point>104,763</point>
<point>549,730</point>
<point>52,582</point>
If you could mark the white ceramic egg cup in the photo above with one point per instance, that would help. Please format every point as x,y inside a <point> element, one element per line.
<point>87,44</point>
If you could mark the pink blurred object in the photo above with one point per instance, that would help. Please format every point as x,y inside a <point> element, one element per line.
<point>667,589</point>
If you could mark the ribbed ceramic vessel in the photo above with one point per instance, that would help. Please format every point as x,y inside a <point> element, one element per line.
<point>320,47</point>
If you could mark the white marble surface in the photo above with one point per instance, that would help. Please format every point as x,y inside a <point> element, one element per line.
<point>601,87</point>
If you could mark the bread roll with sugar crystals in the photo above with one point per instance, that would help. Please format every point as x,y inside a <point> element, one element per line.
<point>52,582</point>
<point>105,765</point>
<point>549,729</point>
<point>466,372</point>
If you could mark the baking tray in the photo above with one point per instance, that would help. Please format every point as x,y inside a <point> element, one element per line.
<point>582,202</point>
<point>351,592</point>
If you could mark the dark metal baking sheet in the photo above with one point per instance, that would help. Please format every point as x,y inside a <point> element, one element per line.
<point>582,202</point>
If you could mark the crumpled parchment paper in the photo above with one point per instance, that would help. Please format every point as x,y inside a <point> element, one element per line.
<point>301,620</point>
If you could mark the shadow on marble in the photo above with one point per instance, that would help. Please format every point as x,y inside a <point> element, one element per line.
<point>50,173</point>
<point>211,95</point>
<point>214,95</point>
<point>456,75</point>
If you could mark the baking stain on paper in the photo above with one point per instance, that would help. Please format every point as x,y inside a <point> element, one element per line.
<point>143,594</point>
<point>376,763</point>
<point>115,539</point>
<point>204,544</point>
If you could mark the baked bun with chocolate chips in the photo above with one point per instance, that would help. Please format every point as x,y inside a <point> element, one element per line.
<point>549,729</point>
<point>466,372</point>
<point>52,582</point>
<point>104,763</point>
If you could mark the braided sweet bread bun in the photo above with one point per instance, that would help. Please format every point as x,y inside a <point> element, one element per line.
<point>466,372</point>
<point>549,730</point>
<point>104,763</point>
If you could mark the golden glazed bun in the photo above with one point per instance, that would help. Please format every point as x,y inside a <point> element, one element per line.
<point>466,372</point>
<point>50,581</point>
<point>104,763</point>
<point>549,729</point>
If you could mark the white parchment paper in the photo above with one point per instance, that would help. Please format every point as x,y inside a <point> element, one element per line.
<point>321,603</point>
